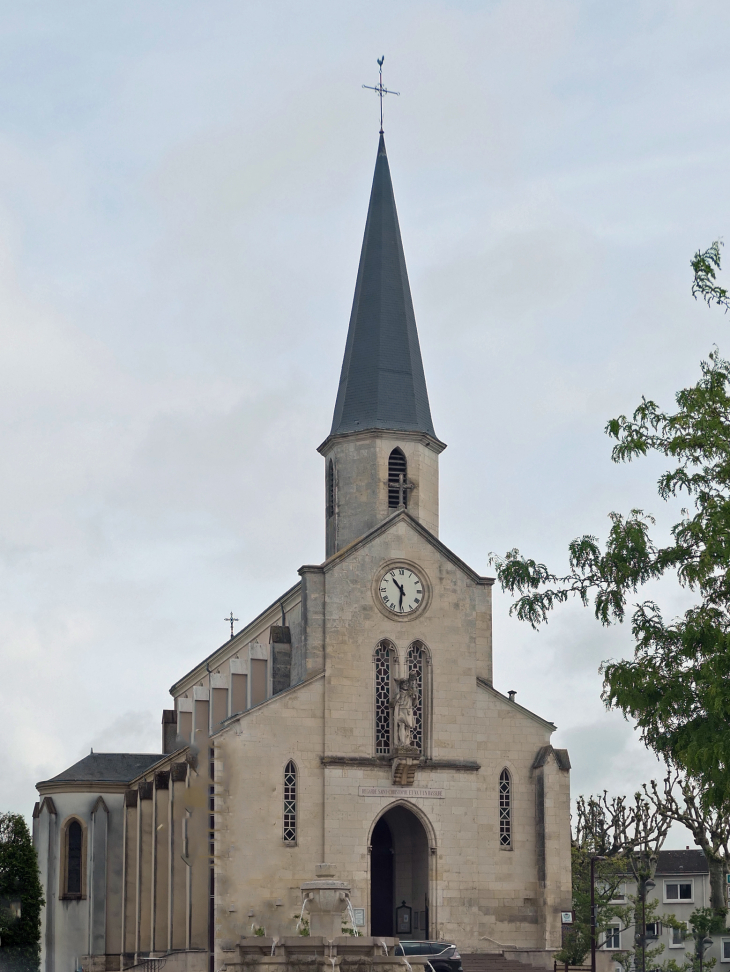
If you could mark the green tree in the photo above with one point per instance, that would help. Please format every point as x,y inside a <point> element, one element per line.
<point>703,922</point>
<point>709,825</point>
<point>677,685</point>
<point>20,889</point>
<point>644,955</point>
<point>624,838</point>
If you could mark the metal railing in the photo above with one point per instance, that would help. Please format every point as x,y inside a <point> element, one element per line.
<point>149,964</point>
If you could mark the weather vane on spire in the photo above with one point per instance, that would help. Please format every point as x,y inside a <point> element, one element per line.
<point>380,90</point>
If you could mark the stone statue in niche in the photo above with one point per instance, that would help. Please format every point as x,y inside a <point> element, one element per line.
<point>404,705</point>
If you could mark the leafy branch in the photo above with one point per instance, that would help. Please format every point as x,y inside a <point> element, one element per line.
<point>705,264</point>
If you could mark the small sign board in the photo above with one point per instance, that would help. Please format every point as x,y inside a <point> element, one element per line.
<point>401,791</point>
<point>566,917</point>
<point>359,914</point>
<point>403,915</point>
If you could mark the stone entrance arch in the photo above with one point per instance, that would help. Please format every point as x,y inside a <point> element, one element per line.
<point>400,872</point>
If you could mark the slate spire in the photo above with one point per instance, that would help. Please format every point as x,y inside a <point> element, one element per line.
<point>382,384</point>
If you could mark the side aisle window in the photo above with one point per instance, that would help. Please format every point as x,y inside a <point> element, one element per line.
<point>505,809</point>
<point>73,860</point>
<point>290,803</point>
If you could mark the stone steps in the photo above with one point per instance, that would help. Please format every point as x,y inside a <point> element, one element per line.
<point>493,962</point>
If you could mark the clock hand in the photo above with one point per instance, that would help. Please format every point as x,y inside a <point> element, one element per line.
<point>399,586</point>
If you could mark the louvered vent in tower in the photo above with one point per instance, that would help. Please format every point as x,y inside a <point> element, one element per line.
<point>396,468</point>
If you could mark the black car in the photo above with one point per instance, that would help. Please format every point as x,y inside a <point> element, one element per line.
<point>444,957</point>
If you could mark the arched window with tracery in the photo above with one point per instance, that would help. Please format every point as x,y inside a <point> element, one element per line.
<point>290,803</point>
<point>73,860</point>
<point>397,480</point>
<point>330,489</point>
<point>416,659</point>
<point>505,809</point>
<point>383,667</point>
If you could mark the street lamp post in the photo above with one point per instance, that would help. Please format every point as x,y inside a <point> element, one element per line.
<point>645,886</point>
<point>704,944</point>
<point>594,858</point>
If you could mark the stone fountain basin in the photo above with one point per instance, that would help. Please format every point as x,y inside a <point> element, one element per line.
<point>304,947</point>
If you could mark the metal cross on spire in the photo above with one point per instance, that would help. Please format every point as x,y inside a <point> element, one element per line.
<point>381,90</point>
<point>230,621</point>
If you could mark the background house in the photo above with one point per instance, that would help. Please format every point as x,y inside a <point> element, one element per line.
<point>682,884</point>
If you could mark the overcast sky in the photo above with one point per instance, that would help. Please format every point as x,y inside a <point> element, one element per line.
<point>183,190</point>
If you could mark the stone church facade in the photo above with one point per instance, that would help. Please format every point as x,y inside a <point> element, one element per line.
<point>353,722</point>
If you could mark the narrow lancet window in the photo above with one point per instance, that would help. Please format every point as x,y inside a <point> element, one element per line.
<point>397,480</point>
<point>382,700</point>
<point>505,809</point>
<point>290,803</point>
<point>415,668</point>
<point>74,846</point>
<point>330,489</point>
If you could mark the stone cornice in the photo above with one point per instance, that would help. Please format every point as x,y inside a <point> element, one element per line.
<point>82,786</point>
<point>428,440</point>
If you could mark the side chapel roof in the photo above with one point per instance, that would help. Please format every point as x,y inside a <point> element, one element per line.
<point>382,384</point>
<point>107,767</point>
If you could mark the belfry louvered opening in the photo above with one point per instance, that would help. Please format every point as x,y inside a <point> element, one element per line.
<point>330,489</point>
<point>397,479</point>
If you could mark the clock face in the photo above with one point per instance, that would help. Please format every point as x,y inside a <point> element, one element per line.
<point>401,590</point>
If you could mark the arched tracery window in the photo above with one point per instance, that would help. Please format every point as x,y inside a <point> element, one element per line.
<point>383,663</point>
<point>397,480</point>
<point>415,666</point>
<point>330,489</point>
<point>290,803</point>
<point>505,809</point>
<point>74,860</point>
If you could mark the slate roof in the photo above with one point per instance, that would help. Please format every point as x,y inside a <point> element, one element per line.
<point>682,862</point>
<point>382,384</point>
<point>107,767</point>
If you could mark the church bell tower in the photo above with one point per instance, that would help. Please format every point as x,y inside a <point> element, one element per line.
<point>382,451</point>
